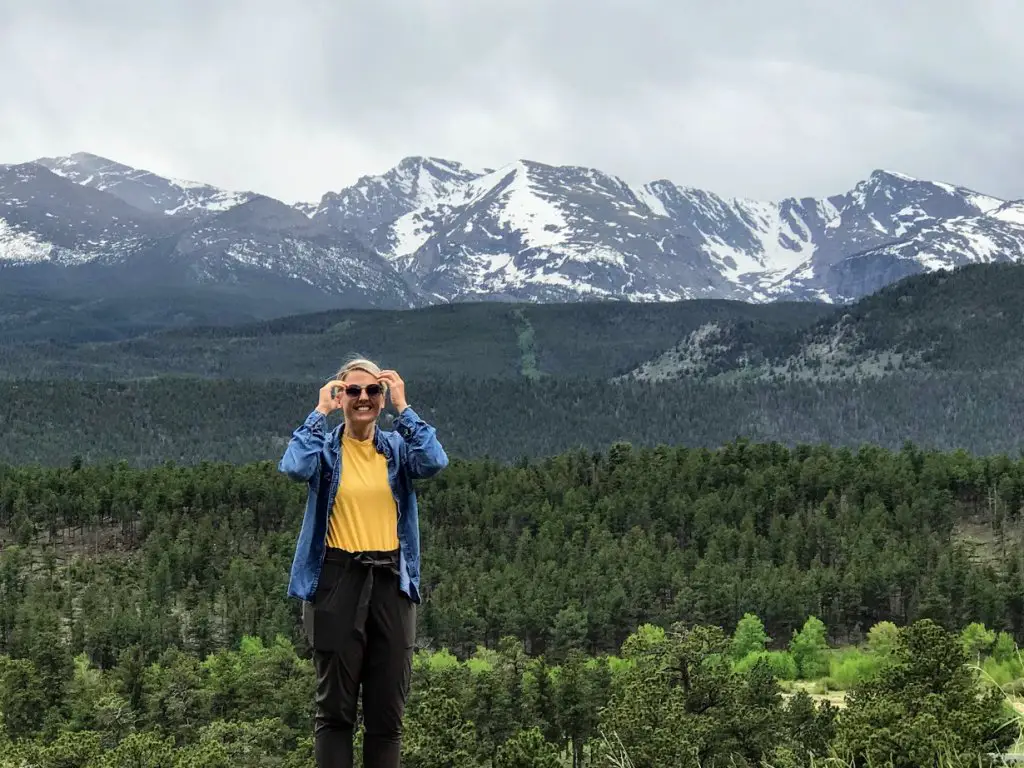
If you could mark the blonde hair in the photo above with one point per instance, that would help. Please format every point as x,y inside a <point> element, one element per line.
<point>360,364</point>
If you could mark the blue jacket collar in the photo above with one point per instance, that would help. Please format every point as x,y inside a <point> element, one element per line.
<point>380,440</point>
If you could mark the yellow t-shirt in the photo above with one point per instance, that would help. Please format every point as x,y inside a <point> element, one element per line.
<point>364,517</point>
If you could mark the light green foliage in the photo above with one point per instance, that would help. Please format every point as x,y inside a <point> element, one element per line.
<point>809,649</point>
<point>1005,648</point>
<point>781,663</point>
<point>977,639</point>
<point>853,666</point>
<point>499,707</point>
<point>749,636</point>
<point>145,750</point>
<point>882,638</point>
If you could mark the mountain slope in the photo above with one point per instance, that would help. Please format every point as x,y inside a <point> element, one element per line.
<point>996,236</point>
<point>143,189</point>
<point>464,341</point>
<point>431,230</point>
<point>276,241</point>
<point>968,320</point>
<point>60,238</point>
<point>536,232</point>
<point>375,201</point>
<point>540,232</point>
<point>46,218</point>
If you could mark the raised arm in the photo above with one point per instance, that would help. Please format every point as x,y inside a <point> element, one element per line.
<point>302,456</point>
<point>422,454</point>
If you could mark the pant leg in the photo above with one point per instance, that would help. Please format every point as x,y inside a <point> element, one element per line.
<point>387,671</point>
<point>338,651</point>
<point>334,722</point>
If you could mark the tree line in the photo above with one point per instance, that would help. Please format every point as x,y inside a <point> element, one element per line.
<point>616,572</point>
<point>198,556</point>
<point>191,420</point>
<point>682,696</point>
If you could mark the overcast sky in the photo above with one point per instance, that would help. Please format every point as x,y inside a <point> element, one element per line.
<point>758,98</point>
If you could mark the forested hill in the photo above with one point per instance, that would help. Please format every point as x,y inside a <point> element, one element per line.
<point>853,537</point>
<point>967,320</point>
<point>507,381</point>
<point>128,595</point>
<point>476,341</point>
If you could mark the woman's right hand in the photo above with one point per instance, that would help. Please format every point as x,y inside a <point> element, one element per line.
<point>329,404</point>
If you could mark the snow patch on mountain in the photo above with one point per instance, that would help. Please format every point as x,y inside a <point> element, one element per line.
<point>144,189</point>
<point>961,241</point>
<point>22,247</point>
<point>984,203</point>
<point>1011,213</point>
<point>203,198</point>
<point>528,210</point>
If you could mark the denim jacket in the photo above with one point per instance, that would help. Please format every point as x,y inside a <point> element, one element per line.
<point>314,456</point>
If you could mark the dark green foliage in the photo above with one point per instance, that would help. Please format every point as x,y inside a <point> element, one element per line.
<point>159,574</point>
<point>458,341</point>
<point>199,556</point>
<point>527,749</point>
<point>512,381</point>
<point>189,421</point>
<point>925,706</point>
<point>681,704</point>
<point>968,320</point>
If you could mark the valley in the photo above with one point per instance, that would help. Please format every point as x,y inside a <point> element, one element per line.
<point>710,318</point>
<point>934,359</point>
<point>824,498</point>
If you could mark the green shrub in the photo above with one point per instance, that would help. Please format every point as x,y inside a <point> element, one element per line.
<point>1002,673</point>
<point>851,667</point>
<point>781,664</point>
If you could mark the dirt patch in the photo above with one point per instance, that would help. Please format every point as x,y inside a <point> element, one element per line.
<point>986,541</point>
<point>837,698</point>
<point>69,544</point>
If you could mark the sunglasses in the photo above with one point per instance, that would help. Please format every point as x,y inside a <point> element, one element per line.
<point>355,390</point>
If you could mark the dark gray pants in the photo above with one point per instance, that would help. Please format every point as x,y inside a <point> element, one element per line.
<point>362,629</point>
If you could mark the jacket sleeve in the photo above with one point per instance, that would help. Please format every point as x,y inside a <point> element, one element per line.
<point>302,456</point>
<point>422,454</point>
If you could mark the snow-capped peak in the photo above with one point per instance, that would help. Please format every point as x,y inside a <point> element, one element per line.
<point>144,189</point>
<point>525,231</point>
<point>372,201</point>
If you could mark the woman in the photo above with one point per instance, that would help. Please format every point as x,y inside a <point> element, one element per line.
<point>357,559</point>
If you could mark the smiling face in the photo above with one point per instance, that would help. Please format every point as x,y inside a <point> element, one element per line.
<point>362,410</point>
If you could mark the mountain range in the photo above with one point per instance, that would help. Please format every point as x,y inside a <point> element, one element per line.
<point>432,231</point>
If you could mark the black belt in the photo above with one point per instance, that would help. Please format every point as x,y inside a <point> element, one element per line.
<point>371,562</point>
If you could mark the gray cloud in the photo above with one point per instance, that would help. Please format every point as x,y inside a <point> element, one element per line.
<point>742,97</point>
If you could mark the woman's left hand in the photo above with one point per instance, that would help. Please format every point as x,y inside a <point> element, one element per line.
<point>397,389</point>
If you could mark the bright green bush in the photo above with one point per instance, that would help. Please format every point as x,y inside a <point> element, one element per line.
<point>852,666</point>
<point>781,664</point>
